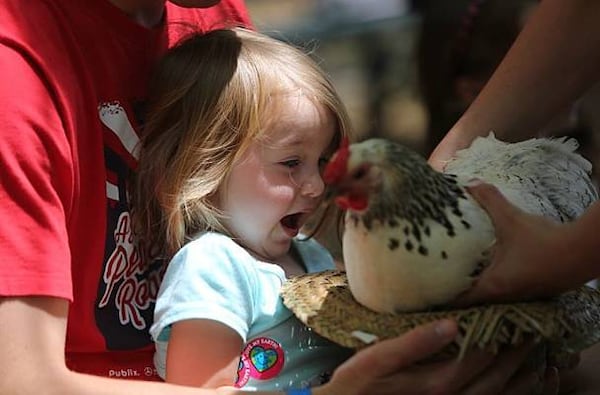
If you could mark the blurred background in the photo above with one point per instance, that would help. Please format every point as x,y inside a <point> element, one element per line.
<point>407,69</point>
<point>367,47</point>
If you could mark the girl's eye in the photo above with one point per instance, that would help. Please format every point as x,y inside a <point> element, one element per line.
<point>291,163</point>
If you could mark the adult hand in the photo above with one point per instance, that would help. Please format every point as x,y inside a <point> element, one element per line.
<point>394,367</point>
<point>529,257</point>
<point>582,378</point>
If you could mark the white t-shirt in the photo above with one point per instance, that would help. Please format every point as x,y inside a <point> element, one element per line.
<point>212,277</point>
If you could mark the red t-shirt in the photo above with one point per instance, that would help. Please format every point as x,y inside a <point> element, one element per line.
<point>72,81</point>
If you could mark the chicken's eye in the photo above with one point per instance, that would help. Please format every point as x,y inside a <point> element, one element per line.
<point>360,173</point>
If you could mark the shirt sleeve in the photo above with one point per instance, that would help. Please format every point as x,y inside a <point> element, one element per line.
<point>36,182</point>
<point>209,278</point>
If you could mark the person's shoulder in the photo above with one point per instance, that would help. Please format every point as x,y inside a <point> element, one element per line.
<point>49,33</point>
<point>212,256</point>
<point>212,240</point>
<point>212,247</point>
<point>42,17</point>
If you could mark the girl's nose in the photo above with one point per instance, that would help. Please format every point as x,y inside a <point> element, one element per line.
<point>313,186</point>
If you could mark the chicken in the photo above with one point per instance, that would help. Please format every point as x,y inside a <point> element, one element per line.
<point>414,238</point>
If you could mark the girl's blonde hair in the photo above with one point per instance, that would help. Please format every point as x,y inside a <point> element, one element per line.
<point>210,97</point>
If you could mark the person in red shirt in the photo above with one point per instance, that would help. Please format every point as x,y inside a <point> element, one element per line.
<point>72,88</point>
<point>75,300</point>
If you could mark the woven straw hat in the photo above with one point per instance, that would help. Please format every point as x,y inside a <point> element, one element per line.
<point>324,302</point>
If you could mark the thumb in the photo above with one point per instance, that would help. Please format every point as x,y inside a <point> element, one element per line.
<point>391,355</point>
<point>492,201</point>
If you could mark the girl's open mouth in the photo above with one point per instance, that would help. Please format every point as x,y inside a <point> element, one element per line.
<point>291,224</point>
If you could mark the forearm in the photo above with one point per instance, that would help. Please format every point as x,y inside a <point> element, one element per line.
<point>582,246</point>
<point>551,63</point>
<point>32,346</point>
<point>71,383</point>
<point>81,384</point>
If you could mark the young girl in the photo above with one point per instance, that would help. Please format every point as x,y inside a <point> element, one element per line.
<point>229,172</point>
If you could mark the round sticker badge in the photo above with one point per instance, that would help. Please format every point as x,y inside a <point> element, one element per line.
<point>262,359</point>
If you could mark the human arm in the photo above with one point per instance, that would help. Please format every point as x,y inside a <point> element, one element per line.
<point>33,330</point>
<point>479,373</point>
<point>197,356</point>
<point>533,256</point>
<point>202,353</point>
<point>551,63</point>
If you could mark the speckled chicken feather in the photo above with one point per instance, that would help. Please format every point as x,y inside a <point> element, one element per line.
<point>422,238</point>
<point>542,175</point>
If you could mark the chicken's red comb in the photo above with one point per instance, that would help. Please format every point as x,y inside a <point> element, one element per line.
<point>336,168</point>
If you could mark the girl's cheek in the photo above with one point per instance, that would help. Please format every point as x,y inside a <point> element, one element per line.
<point>286,193</point>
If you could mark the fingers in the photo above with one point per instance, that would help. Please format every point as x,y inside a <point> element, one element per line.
<point>551,383</point>
<point>524,383</point>
<point>457,374</point>
<point>492,201</point>
<point>501,213</point>
<point>468,298</point>
<point>384,367</point>
<point>390,356</point>
<point>495,379</point>
<point>483,290</point>
<point>568,362</point>
<point>529,383</point>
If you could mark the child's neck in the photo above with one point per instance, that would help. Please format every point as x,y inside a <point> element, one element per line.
<point>290,264</point>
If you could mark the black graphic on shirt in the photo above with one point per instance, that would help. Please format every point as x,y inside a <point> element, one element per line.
<point>127,290</point>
